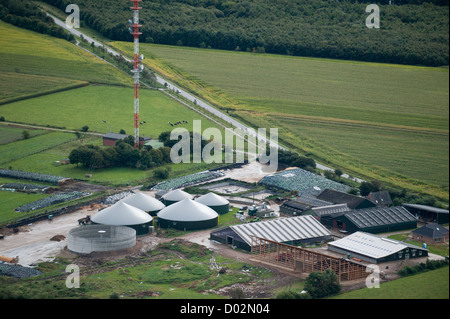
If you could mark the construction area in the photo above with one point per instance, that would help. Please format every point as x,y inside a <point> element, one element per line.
<point>304,261</point>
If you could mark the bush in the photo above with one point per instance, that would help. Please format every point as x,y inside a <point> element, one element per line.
<point>162,173</point>
<point>290,294</point>
<point>422,267</point>
<point>322,284</point>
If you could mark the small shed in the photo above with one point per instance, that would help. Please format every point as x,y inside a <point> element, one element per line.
<point>375,249</point>
<point>214,201</point>
<point>431,234</point>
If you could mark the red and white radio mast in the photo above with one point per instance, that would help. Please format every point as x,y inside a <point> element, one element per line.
<point>134,30</point>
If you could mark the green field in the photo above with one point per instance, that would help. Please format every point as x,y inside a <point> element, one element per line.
<point>377,121</point>
<point>429,285</point>
<point>103,109</point>
<point>33,63</point>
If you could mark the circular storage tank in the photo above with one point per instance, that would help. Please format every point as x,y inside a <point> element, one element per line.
<point>122,214</point>
<point>144,202</point>
<point>89,238</point>
<point>188,215</point>
<point>216,202</point>
<point>175,196</point>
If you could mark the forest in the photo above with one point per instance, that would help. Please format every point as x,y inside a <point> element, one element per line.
<point>414,32</point>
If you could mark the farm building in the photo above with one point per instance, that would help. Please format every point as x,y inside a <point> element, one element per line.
<point>431,234</point>
<point>381,198</point>
<point>302,204</point>
<point>216,202</point>
<point>372,220</point>
<point>352,201</point>
<point>293,231</point>
<point>428,213</point>
<point>302,181</point>
<point>323,211</point>
<point>188,215</point>
<point>122,214</point>
<point>175,196</point>
<point>145,202</point>
<point>375,249</point>
<point>110,139</point>
<point>294,207</point>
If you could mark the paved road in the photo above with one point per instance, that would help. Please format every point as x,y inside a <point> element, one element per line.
<point>170,87</point>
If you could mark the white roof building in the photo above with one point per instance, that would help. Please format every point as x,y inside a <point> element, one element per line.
<point>375,249</point>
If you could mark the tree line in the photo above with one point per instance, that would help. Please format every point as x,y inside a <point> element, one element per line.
<point>25,14</point>
<point>122,154</point>
<point>412,31</point>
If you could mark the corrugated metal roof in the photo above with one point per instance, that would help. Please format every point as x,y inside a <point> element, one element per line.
<point>370,245</point>
<point>378,216</point>
<point>427,208</point>
<point>330,209</point>
<point>282,229</point>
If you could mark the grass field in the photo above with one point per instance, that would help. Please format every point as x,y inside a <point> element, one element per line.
<point>103,108</point>
<point>23,148</point>
<point>34,63</point>
<point>377,121</point>
<point>428,285</point>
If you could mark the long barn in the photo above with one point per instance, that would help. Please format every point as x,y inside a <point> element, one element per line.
<point>293,231</point>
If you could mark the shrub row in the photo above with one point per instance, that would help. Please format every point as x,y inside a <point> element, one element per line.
<point>422,267</point>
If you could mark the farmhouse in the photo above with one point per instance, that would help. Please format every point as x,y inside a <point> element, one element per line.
<point>293,231</point>
<point>352,201</point>
<point>428,213</point>
<point>431,234</point>
<point>372,220</point>
<point>375,249</point>
<point>110,139</point>
<point>381,198</point>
